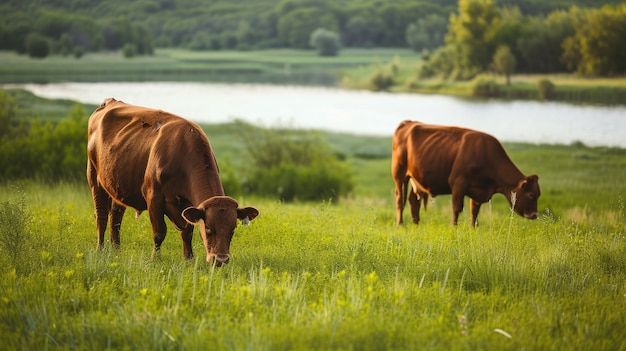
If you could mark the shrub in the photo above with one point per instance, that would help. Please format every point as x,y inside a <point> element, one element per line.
<point>326,42</point>
<point>293,165</point>
<point>129,50</point>
<point>380,80</point>
<point>484,86</point>
<point>37,46</point>
<point>546,89</point>
<point>79,51</point>
<point>14,234</point>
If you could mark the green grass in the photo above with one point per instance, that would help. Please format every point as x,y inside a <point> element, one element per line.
<point>322,276</point>
<point>266,66</point>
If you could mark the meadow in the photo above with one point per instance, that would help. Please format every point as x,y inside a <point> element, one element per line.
<point>279,66</point>
<point>319,275</point>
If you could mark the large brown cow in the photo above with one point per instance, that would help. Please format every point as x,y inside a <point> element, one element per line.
<point>152,160</point>
<point>462,162</point>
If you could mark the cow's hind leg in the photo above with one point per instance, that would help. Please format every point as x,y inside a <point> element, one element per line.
<point>117,213</point>
<point>401,194</point>
<point>101,202</point>
<point>457,206</point>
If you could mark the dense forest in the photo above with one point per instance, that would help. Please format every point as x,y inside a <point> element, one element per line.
<point>543,36</point>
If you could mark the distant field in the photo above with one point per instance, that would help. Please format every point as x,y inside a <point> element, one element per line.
<point>270,66</point>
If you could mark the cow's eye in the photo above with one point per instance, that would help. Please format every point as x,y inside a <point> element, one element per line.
<point>531,196</point>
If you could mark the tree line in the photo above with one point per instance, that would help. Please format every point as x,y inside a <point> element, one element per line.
<point>572,34</point>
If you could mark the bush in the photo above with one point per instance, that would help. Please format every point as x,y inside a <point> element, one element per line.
<point>37,46</point>
<point>484,86</point>
<point>129,50</point>
<point>14,234</point>
<point>326,42</point>
<point>293,165</point>
<point>546,89</point>
<point>45,151</point>
<point>380,80</point>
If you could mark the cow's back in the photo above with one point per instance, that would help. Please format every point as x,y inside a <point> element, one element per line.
<point>123,141</point>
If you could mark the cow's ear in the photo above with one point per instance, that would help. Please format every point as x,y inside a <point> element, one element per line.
<point>249,212</point>
<point>193,215</point>
<point>531,179</point>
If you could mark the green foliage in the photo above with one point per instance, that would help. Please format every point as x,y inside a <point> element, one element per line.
<point>361,31</point>
<point>129,50</point>
<point>295,27</point>
<point>484,86</point>
<point>8,108</point>
<point>546,88</point>
<point>36,149</point>
<point>14,231</point>
<point>380,80</point>
<point>293,166</point>
<point>504,62</point>
<point>37,46</point>
<point>470,33</point>
<point>427,33</point>
<point>597,47</point>
<point>325,42</point>
<point>540,45</point>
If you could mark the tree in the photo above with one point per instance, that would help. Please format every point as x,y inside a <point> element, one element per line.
<point>470,33</point>
<point>426,33</point>
<point>8,108</point>
<point>37,46</point>
<point>598,45</point>
<point>295,28</point>
<point>504,62</point>
<point>360,31</point>
<point>540,44</point>
<point>326,42</point>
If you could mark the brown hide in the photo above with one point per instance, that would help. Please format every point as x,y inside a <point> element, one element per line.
<point>440,160</point>
<point>153,160</point>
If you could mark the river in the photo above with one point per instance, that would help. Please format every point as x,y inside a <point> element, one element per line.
<point>357,112</point>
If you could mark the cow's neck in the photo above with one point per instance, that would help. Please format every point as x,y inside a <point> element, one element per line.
<point>203,187</point>
<point>509,180</point>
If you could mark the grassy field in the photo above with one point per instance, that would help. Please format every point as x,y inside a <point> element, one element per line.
<point>324,276</point>
<point>282,66</point>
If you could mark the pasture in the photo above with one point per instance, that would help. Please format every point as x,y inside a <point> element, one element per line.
<point>330,276</point>
<point>279,66</point>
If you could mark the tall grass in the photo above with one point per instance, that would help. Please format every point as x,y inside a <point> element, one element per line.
<point>323,276</point>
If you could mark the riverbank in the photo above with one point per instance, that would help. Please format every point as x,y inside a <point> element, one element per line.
<point>400,76</point>
<point>388,69</point>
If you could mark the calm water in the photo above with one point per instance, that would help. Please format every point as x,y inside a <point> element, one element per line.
<point>358,112</point>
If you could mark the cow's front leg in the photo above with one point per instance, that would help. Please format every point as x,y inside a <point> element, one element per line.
<point>474,208</point>
<point>156,209</point>
<point>187,234</point>
<point>415,203</point>
<point>117,213</point>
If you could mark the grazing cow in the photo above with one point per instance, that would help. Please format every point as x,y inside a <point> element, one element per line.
<point>153,160</point>
<point>462,162</point>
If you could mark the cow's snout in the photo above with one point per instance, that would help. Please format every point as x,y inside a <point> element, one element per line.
<point>219,259</point>
<point>533,215</point>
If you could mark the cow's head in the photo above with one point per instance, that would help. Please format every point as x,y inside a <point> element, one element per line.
<point>526,194</point>
<point>217,218</point>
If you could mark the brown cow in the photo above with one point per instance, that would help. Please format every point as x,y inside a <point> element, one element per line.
<point>153,160</point>
<point>458,161</point>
